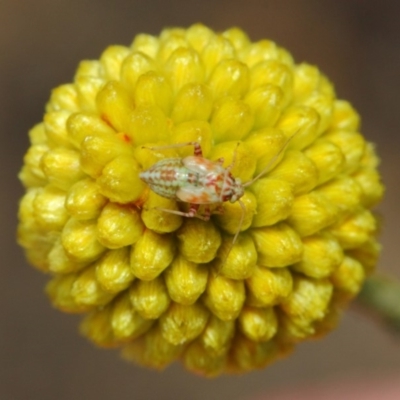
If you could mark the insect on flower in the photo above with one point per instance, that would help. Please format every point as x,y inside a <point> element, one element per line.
<point>198,181</point>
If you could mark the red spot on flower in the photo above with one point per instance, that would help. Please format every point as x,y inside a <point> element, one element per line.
<point>142,199</point>
<point>126,138</point>
<point>106,120</point>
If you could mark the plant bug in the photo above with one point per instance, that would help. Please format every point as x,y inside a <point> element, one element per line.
<point>198,181</point>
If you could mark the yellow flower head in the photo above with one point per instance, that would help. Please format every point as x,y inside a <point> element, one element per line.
<point>164,287</point>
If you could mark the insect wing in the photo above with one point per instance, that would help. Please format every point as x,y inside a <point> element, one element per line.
<point>163,177</point>
<point>202,165</point>
<point>197,195</point>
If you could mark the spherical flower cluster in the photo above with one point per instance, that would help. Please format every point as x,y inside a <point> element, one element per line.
<point>164,287</point>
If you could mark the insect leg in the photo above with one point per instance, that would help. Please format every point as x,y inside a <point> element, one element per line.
<point>207,214</point>
<point>219,210</point>
<point>192,213</point>
<point>197,147</point>
<point>240,222</point>
<point>237,231</point>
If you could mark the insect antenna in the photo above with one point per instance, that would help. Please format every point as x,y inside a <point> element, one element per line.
<point>240,223</point>
<point>271,162</point>
<point>232,164</point>
<point>197,147</point>
<point>237,231</point>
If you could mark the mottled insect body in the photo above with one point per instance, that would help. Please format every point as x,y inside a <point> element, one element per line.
<point>193,179</point>
<point>198,181</point>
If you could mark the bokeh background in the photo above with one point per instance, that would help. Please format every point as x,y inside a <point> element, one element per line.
<point>355,42</point>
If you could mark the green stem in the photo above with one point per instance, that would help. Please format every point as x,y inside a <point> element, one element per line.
<point>381,295</point>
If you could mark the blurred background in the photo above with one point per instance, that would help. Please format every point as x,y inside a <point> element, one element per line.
<point>356,43</point>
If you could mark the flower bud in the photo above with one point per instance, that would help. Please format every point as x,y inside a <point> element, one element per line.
<point>149,298</point>
<point>181,323</point>
<point>119,226</point>
<point>185,280</point>
<point>198,241</point>
<point>113,270</point>
<point>224,296</point>
<point>125,322</point>
<point>269,286</point>
<point>151,254</point>
<point>232,119</point>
